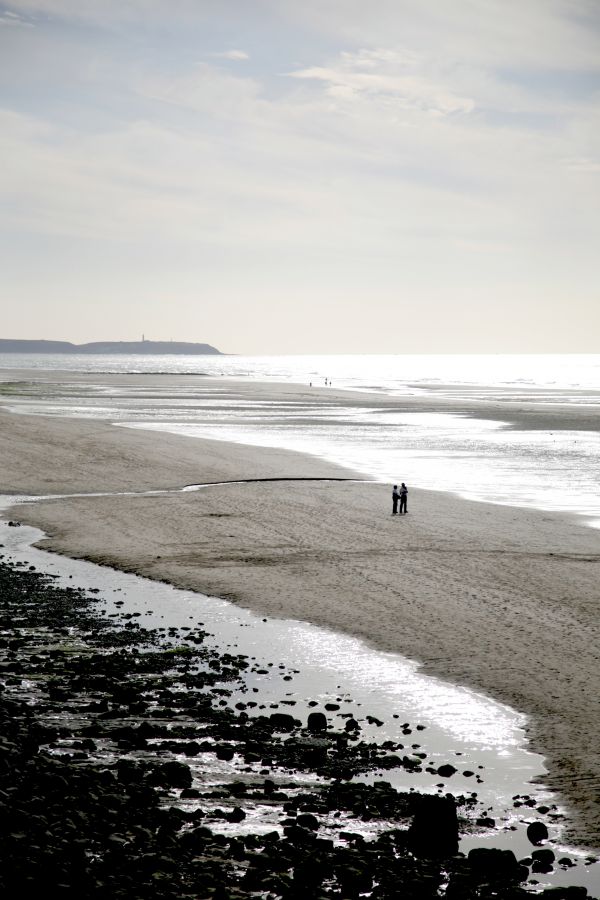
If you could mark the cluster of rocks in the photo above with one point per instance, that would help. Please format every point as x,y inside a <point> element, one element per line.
<point>105,730</point>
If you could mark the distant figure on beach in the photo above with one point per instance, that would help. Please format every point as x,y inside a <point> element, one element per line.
<point>395,498</point>
<point>403,498</point>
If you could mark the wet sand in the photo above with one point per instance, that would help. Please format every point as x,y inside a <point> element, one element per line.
<point>501,599</point>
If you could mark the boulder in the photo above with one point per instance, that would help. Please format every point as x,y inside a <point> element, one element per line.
<point>317,721</point>
<point>542,860</point>
<point>496,864</point>
<point>537,832</point>
<point>433,832</point>
<point>282,721</point>
<point>307,820</point>
<point>174,774</point>
<point>224,752</point>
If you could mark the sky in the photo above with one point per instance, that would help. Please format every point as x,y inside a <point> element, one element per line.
<point>302,176</point>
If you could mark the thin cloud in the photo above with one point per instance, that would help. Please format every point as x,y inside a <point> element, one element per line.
<point>10,19</point>
<point>388,77</point>
<point>235,55</point>
<point>584,164</point>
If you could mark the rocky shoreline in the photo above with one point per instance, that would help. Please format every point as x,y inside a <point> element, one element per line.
<point>108,730</point>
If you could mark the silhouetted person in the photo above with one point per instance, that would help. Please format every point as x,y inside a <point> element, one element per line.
<point>395,498</point>
<point>403,498</point>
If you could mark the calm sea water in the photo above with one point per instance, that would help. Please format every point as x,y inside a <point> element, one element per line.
<point>476,458</point>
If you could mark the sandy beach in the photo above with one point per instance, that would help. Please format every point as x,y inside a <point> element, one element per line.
<point>497,598</point>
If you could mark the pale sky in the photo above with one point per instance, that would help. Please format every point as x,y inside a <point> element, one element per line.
<point>302,176</point>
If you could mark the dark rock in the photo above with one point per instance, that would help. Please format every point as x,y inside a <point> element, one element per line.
<point>545,855</point>
<point>374,721</point>
<point>192,748</point>
<point>433,832</point>
<point>542,860</point>
<point>174,774</point>
<point>225,752</point>
<point>566,893</point>
<point>317,721</point>
<point>307,820</point>
<point>446,771</point>
<point>237,814</point>
<point>282,721</point>
<point>190,794</point>
<point>354,881</point>
<point>496,864</point>
<point>537,832</point>
<point>196,839</point>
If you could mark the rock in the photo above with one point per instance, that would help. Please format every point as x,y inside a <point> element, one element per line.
<point>190,794</point>
<point>282,721</point>
<point>446,771</point>
<point>192,748</point>
<point>307,820</point>
<point>354,881</point>
<point>433,832</point>
<point>317,721</point>
<point>537,832</point>
<point>542,860</point>
<point>224,752</point>
<point>237,814</point>
<point>197,838</point>
<point>566,893</point>
<point>129,771</point>
<point>309,876</point>
<point>174,774</point>
<point>496,864</point>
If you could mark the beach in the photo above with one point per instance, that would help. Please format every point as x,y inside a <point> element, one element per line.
<point>493,597</point>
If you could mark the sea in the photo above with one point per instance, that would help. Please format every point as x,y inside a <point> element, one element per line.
<point>496,459</point>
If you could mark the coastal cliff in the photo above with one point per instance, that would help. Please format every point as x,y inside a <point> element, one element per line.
<point>119,347</point>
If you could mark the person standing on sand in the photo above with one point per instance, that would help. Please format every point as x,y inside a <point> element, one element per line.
<point>403,498</point>
<point>395,498</point>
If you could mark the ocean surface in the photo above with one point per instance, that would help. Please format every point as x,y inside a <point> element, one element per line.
<point>477,458</point>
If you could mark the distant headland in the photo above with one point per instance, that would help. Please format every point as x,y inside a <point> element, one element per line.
<point>120,347</point>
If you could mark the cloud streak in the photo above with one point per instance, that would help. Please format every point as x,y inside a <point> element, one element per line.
<point>234,55</point>
<point>388,78</point>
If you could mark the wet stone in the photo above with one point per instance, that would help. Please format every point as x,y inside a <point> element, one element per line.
<point>537,832</point>
<point>434,829</point>
<point>317,721</point>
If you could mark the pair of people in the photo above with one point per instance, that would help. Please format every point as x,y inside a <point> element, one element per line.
<point>399,494</point>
